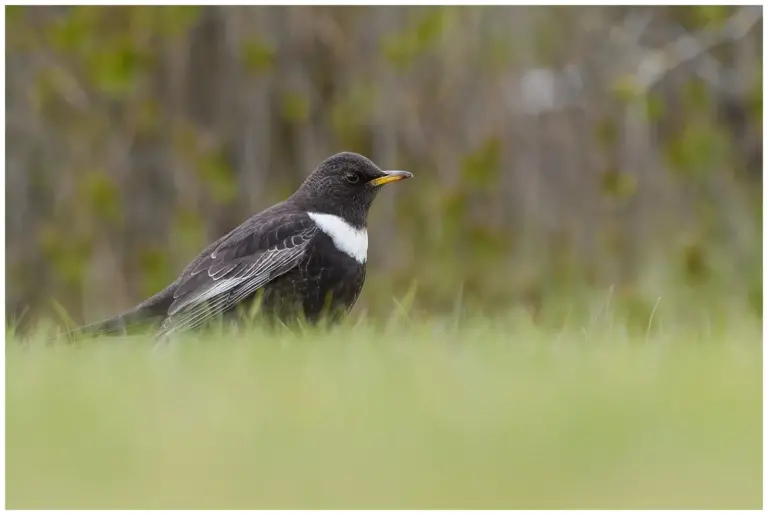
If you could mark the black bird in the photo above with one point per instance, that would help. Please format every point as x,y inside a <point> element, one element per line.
<point>304,257</point>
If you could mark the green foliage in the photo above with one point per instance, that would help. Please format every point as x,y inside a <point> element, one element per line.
<point>44,92</point>
<point>606,132</point>
<point>258,57</point>
<point>487,240</point>
<point>14,13</point>
<point>433,24</point>
<point>702,146</point>
<point>295,106</point>
<point>696,96</point>
<point>700,16</point>
<point>546,42</point>
<point>353,110</point>
<point>68,255</point>
<point>218,176</point>
<point>695,267</point>
<point>626,89</point>
<point>147,116</point>
<point>489,243</point>
<point>156,271</point>
<point>102,196</point>
<point>700,149</point>
<point>711,15</point>
<point>117,89</point>
<point>755,100</point>
<point>402,49</point>
<point>618,185</point>
<point>454,207</point>
<point>654,107</point>
<point>109,42</point>
<point>755,298</point>
<point>171,19</point>
<point>500,55</point>
<point>72,33</point>
<point>469,239</point>
<point>115,71</point>
<point>188,228</point>
<point>481,168</point>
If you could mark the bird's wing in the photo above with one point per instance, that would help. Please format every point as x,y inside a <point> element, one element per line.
<point>241,264</point>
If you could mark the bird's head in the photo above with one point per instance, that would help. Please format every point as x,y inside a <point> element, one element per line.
<point>345,185</point>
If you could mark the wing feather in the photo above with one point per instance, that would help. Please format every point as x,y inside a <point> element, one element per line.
<point>219,270</point>
<point>193,317</point>
<point>246,289</point>
<point>231,277</point>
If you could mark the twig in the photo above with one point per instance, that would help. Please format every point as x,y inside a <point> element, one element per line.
<point>656,64</point>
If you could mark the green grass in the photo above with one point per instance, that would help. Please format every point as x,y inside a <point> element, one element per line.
<point>496,415</point>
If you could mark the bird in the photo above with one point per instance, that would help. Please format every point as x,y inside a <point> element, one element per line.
<point>302,259</point>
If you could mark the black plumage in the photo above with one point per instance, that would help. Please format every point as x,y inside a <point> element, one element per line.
<point>304,258</point>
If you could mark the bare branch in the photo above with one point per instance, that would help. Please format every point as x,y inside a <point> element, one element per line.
<point>656,64</point>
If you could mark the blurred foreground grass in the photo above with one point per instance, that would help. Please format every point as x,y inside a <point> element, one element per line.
<point>487,415</point>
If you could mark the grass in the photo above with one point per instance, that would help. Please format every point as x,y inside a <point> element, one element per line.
<point>497,414</point>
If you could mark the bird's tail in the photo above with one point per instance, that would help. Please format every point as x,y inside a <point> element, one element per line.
<point>116,324</point>
<point>142,316</point>
<point>130,321</point>
<point>110,327</point>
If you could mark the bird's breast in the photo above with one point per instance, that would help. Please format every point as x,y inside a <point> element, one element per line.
<point>332,274</point>
<point>346,238</point>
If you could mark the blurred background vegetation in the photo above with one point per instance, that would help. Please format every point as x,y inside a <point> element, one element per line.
<point>561,153</point>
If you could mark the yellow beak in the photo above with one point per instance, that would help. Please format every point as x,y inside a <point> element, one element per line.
<point>391,176</point>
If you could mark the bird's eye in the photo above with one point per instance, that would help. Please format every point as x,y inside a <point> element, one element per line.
<point>352,177</point>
